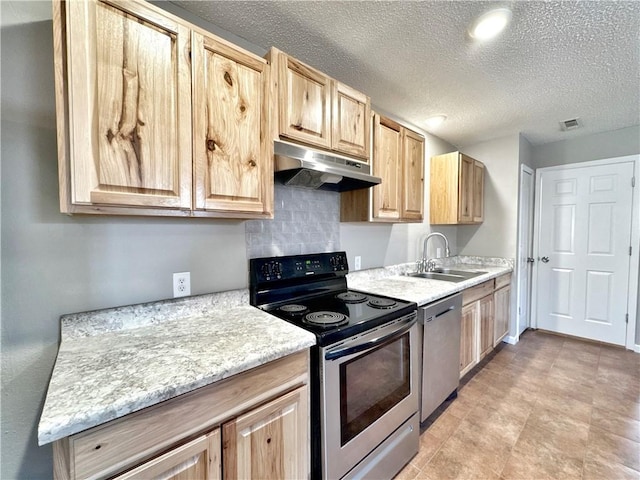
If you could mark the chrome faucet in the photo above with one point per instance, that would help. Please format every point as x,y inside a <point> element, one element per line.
<point>426,264</point>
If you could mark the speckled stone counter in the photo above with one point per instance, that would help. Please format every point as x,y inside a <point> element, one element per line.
<point>117,361</point>
<point>393,282</point>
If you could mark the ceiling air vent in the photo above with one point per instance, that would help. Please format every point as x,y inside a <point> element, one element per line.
<point>571,124</point>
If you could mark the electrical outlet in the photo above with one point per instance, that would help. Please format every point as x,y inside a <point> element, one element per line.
<point>181,284</point>
<point>357,264</point>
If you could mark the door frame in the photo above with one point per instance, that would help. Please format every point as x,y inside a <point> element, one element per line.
<point>524,169</point>
<point>634,267</point>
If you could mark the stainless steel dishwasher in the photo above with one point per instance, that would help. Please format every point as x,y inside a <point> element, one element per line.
<point>440,322</point>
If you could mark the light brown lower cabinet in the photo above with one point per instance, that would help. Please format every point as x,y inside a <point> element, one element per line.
<point>502,305</point>
<point>485,320</point>
<point>268,442</point>
<point>467,338</point>
<point>198,459</point>
<point>252,425</point>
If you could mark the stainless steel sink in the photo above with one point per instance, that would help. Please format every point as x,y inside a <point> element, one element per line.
<point>447,275</point>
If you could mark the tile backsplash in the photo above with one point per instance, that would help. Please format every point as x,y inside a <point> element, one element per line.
<point>305,221</point>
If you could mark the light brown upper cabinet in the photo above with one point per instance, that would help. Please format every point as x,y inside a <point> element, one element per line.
<point>317,110</point>
<point>398,158</point>
<point>232,149</point>
<point>413,176</point>
<point>350,117</point>
<point>456,190</point>
<point>126,115</point>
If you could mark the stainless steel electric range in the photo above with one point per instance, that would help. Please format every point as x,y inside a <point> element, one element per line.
<point>364,369</point>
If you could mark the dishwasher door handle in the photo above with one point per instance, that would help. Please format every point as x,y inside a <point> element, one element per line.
<point>444,312</point>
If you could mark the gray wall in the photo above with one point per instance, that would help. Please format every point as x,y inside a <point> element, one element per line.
<point>616,143</point>
<point>496,236</point>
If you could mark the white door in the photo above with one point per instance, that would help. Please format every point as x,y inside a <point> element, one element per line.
<point>525,245</point>
<point>584,238</point>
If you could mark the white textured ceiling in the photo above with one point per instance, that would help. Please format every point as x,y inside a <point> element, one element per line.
<point>555,61</point>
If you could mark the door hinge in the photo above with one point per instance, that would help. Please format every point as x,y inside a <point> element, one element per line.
<point>633,181</point>
<point>630,249</point>
<point>626,318</point>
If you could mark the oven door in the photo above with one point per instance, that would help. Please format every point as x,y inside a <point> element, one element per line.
<point>369,388</point>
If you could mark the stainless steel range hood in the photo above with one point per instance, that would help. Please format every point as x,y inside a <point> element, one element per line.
<point>305,167</point>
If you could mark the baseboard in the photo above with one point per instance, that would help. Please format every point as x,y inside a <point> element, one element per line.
<point>513,340</point>
<point>636,348</point>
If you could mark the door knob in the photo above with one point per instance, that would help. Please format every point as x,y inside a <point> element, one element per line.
<point>545,259</point>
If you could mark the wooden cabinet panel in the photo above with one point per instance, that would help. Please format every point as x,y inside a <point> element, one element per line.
<point>232,149</point>
<point>457,190</point>
<point>128,89</point>
<point>304,102</point>
<point>485,313</point>
<point>413,176</point>
<point>477,203</point>
<point>473,294</point>
<point>398,159</point>
<point>465,208</point>
<point>502,301</point>
<point>131,135</point>
<point>270,442</point>
<point>351,121</point>
<point>468,338</point>
<point>196,460</point>
<point>387,161</point>
<point>485,318</point>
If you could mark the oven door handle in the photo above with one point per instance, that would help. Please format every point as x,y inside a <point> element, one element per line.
<point>343,352</point>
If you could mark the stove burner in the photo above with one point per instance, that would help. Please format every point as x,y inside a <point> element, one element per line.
<point>382,303</point>
<point>351,297</point>
<point>326,318</point>
<point>293,309</point>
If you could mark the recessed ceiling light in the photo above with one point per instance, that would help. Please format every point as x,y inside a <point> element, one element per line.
<point>490,24</point>
<point>435,121</point>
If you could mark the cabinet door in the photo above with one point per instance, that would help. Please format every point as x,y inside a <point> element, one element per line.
<point>196,460</point>
<point>270,442</point>
<point>485,313</point>
<point>465,189</point>
<point>129,106</point>
<point>478,192</point>
<point>468,338</point>
<point>387,161</point>
<point>413,176</point>
<point>444,190</point>
<point>351,122</point>
<point>232,147</point>
<point>304,102</point>
<point>502,301</point>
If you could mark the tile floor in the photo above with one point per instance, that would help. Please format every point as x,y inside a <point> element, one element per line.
<point>549,407</point>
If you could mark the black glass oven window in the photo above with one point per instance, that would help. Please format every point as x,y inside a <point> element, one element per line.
<point>372,384</point>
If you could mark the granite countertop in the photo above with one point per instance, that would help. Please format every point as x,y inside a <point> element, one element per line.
<point>117,361</point>
<point>393,282</point>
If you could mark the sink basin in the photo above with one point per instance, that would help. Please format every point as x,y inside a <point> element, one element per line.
<point>447,275</point>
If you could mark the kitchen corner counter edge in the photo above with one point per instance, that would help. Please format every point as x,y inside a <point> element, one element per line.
<point>393,281</point>
<point>117,361</point>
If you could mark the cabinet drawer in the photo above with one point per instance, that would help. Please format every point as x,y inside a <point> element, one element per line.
<point>122,443</point>
<point>503,281</point>
<point>476,293</point>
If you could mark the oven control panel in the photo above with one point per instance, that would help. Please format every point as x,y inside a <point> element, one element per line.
<point>272,269</point>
